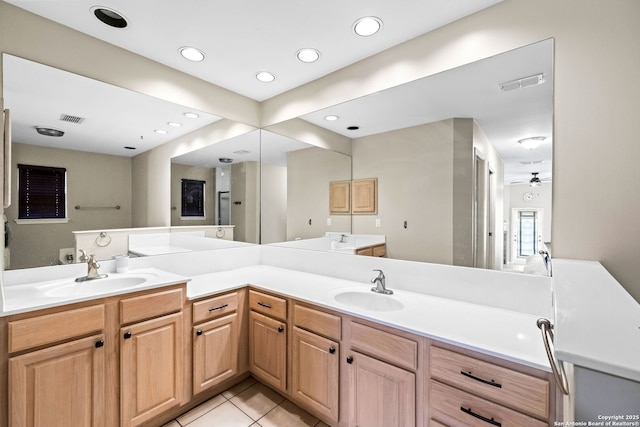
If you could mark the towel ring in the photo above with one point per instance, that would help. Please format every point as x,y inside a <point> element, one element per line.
<point>103,240</point>
<point>558,370</point>
<point>220,233</point>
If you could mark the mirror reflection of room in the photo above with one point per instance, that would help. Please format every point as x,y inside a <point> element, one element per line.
<point>453,155</point>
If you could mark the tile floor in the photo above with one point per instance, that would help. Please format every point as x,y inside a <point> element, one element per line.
<point>247,404</point>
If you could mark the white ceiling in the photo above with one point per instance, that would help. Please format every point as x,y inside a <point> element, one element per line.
<point>243,37</point>
<point>470,91</point>
<point>114,118</point>
<point>239,43</point>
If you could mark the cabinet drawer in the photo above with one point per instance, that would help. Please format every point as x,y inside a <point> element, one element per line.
<point>400,351</point>
<point>150,305</point>
<point>380,250</point>
<point>268,304</point>
<point>211,308</point>
<point>317,321</point>
<point>51,328</point>
<point>456,407</point>
<point>505,386</point>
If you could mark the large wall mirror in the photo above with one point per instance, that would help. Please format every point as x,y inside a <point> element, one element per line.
<point>453,156</point>
<point>104,128</point>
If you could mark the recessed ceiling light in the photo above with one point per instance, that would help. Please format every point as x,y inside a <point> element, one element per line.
<point>367,26</point>
<point>353,128</point>
<point>109,17</point>
<point>161,132</point>
<point>174,124</point>
<point>130,148</point>
<point>331,118</point>
<point>191,115</point>
<point>308,55</point>
<point>191,53</point>
<point>225,160</point>
<point>265,76</point>
<point>49,131</point>
<point>531,143</point>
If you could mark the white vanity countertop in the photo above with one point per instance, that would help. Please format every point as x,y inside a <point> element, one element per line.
<point>597,321</point>
<point>36,295</point>
<point>502,333</point>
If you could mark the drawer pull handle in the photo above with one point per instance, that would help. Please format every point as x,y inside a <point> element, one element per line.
<point>99,343</point>
<point>482,380</point>
<point>219,307</point>
<point>556,366</point>
<point>480,417</point>
<point>127,335</point>
<point>280,329</point>
<point>332,350</point>
<point>349,360</point>
<point>199,332</point>
<point>264,304</point>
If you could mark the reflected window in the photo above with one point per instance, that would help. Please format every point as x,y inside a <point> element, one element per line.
<point>192,198</point>
<point>41,192</point>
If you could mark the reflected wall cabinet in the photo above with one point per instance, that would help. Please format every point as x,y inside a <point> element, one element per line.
<point>340,197</point>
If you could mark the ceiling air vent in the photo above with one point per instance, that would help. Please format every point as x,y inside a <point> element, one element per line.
<point>71,119</point>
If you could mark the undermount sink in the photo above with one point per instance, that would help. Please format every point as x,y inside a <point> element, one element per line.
<point>96,286</point>
<point>367,300</point>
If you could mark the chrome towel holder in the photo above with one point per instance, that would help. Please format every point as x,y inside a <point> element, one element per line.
<point>558,370</point>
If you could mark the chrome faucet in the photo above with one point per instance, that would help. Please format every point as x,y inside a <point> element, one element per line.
<point>92,270</point>
<point>380,284</point>
<point>342,237</point>
<point>547,262</point>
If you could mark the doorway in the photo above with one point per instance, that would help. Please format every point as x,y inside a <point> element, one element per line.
<point>526,233</point>
<point>224,208</point>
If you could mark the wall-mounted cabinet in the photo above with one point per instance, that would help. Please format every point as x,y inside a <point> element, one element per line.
<point>364,196</point>
<point>340,197</point>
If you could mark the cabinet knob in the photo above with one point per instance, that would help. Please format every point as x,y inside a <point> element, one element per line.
<point>280,329</point>
<point>349,360</point>
<point>127,335</point>
<point>332,350</point>
<point>199,332</point>
<point>99,343</point>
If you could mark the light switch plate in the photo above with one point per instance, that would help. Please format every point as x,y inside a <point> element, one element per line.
<point>377,222</point>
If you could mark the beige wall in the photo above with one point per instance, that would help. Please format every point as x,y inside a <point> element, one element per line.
<point>93,180</point>
<point>273,209</point>
<point>245,201</point>
<point>180,172</point>
<point>425,177</point>
<point>309,172</point>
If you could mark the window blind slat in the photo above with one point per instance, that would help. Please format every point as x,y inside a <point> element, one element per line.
<point>41,192</point>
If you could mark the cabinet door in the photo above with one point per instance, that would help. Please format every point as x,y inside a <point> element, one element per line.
<point>381,395</point>
<point>268,350</point>
<point>59,386</point>
<point>215,352</point>
<point>151,368</point>
<point>315,372</point>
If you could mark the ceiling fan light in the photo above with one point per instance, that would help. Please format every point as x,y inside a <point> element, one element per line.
<point>535,181</point>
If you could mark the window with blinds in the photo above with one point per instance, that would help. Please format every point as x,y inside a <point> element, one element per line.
<point>41,192</point>
<point>192,198</point>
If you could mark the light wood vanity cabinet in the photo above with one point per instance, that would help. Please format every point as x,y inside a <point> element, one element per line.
<point>315,366</point>
<point>381,377</point>
<point>468,390</point>
<point>151,356</point>
<point>268,339</point>
<point>215,341</point>
<point>64,380</point>
<point>376,251</point>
